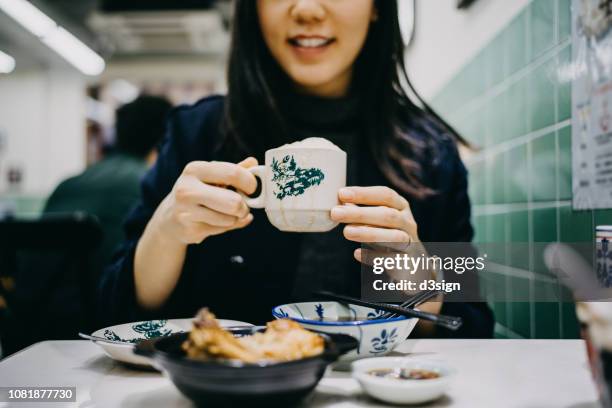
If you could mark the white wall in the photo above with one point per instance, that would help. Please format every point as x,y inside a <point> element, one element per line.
<point>42,115</point>
<point>446,37</point>
<point>168,69</point>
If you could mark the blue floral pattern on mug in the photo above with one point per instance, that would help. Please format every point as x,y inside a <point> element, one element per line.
<point>291,179</point>
<point>319,310</point>
<point>281,313</point>
<point>385,340</point>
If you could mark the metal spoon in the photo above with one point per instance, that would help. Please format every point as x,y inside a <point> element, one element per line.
<point>103,339</point>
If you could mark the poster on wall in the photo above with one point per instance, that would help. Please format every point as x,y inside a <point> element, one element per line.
<point>591,104</point>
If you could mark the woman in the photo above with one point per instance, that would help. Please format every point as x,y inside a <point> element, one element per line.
<point>298,68</point>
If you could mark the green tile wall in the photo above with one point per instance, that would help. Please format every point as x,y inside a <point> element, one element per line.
<point>509,102</point>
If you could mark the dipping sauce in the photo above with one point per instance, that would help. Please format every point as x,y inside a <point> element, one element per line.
<point>404,374</point>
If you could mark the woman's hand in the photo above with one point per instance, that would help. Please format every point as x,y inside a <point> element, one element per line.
<point>374,214</point>
<point>201,205</point>
<point>380,214</point>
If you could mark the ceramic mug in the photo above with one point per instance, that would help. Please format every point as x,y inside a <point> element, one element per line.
<point>299,185</point>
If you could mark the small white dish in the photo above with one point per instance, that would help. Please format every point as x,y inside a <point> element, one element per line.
<point>401,391</point>
<point>125,336</point>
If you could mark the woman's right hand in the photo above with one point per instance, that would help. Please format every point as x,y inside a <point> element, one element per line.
<point>201,205</point>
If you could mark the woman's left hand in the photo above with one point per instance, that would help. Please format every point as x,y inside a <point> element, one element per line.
<point>375,214</point>
<point>380,214</point>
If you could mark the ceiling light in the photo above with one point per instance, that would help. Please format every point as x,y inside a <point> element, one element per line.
<point>74,51</point>
<point>55,37</point>
<point>34,20</point>
<point>7,63</point>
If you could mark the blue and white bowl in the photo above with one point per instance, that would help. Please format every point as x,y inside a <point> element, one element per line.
<point>123,337</point>
<point>377,337</point>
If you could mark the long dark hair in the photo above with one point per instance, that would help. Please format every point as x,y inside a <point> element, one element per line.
<point>397,130</point>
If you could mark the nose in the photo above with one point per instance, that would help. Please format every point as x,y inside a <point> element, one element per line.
<point>308,11</point>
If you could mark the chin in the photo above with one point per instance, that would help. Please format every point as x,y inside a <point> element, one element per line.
<point>309,78</point>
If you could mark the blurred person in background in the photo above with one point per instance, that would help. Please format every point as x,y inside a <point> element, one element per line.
<point>61,282</point>
<point>109,188</point>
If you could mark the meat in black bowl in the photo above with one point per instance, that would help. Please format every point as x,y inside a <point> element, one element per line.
<point>228,382</point>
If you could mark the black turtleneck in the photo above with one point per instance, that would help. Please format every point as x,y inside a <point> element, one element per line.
<point>326,259</point>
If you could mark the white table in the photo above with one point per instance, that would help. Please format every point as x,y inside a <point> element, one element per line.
<point>491,373</point>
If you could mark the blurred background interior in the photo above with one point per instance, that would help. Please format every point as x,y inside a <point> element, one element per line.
<point>493,68</point>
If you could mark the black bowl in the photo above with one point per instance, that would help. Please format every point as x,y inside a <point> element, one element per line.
<point>233,383</point>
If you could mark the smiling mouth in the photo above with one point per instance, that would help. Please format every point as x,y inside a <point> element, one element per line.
<point>311,42</point>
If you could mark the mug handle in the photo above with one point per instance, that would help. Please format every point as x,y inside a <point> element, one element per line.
<point>259,201</point>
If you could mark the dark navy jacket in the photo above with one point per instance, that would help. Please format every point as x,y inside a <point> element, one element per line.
<point>242,274</point>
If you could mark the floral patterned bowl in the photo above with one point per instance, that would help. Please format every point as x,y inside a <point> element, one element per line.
<point>377,337</point>
<point>123,337</point>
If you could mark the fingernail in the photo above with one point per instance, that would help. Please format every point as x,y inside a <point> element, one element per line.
<point>338,212</point>
<point>357,254</point>
<point>346,194</point>
<point>246,219</point>
<point>349,230</point>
